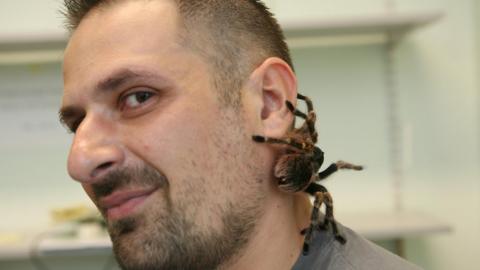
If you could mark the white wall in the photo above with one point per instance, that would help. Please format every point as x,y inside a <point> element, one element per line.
<point>476,22</point>
<point>438,79</point>
<point>30,17</point>
<point>440,86</point>
<point>33,146</point>
<point>437,70</point>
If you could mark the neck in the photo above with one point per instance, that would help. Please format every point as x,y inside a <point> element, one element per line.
<point>276,242</point>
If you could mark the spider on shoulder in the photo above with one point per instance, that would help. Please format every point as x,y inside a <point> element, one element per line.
<point>297,170</point>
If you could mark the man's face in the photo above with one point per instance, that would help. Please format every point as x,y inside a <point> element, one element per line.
<point>173,171</point>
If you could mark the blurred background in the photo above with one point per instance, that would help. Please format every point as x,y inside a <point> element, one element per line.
<point>396,85</point>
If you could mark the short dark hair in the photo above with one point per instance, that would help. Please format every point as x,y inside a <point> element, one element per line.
<point>234,36</point>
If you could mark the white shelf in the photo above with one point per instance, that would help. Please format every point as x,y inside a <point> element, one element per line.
<point>362,29</point>
<point>313,32</point>
<point>374,226</point>
<point>57,247</point>
<point>32,39</point>
<point>34,48</point>
<point>374,23</point>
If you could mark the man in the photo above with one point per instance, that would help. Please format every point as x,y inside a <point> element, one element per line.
<point>163,98</point>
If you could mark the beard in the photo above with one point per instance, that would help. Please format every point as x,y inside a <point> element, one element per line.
<point>165,236</point>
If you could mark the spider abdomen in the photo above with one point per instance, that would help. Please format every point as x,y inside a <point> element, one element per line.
<point>294,172</point>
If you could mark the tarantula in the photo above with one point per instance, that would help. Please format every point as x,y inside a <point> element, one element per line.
<point>297,169</point>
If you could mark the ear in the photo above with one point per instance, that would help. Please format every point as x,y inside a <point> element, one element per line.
<point>275,84</point>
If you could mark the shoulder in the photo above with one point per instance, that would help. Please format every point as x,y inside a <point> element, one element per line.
<point>357,254</point>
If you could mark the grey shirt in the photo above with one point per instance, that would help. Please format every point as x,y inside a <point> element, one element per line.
<point>357,254</point>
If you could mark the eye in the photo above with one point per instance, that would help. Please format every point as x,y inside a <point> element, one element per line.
<point>134,100</point>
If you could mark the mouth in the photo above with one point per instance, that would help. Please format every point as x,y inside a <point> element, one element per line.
<point>121,204</point>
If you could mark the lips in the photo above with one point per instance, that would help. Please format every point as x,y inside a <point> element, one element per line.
<point>122,203</point>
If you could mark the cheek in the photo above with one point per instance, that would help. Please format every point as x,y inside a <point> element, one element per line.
<point>88,189</point>
<point>146,147</point>
<point>174,142</point>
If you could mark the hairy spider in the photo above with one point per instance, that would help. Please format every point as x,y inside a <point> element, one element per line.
<point>297,169</point>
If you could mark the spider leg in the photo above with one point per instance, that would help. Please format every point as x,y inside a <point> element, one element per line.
<point>328,171</point>
<point>337,166</point>
<point>329,219</point>
<point>345,165</point>
<point>295,111</point>
<point>309,119</point>
<point>287,141</point>
<point>314,221</point>
<point>307,100</point>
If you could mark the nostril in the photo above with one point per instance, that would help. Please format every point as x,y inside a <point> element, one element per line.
<point>102,167</point>
<point>105,165</point>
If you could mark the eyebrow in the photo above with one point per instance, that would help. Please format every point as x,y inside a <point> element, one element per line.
<point>122,76</point>
<point>113,82</point>
<point>65,114</point>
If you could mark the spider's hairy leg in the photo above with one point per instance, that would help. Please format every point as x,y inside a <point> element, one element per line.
<point>307,100</point>
<point>345,165</point>
<point>287,141</point>
<point>314,189</point>
<point>330,220</point>
<point>314,222</point>
<point>309,119</point>
<point>296,112</point>
<point>338,166</point>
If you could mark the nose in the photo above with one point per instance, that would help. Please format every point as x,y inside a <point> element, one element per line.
<point>95,151</point>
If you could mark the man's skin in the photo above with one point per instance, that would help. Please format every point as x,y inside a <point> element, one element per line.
<point>166,114</point>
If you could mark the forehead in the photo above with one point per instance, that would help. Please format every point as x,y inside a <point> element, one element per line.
<point>128,33</point>
<point>143,22</point>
